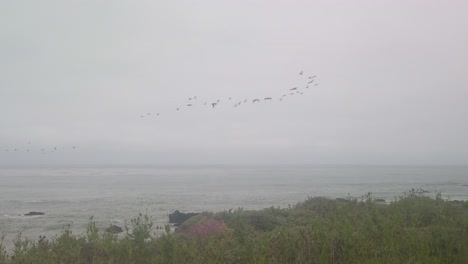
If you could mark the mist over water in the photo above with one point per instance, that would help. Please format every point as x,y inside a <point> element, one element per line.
<point>69,196</point>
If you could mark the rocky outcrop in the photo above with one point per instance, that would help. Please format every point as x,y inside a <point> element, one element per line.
<point>32,213</point>
<point>114,229</point>
<point>177,218</point>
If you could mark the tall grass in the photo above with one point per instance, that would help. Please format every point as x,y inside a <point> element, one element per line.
<point>411,229</point>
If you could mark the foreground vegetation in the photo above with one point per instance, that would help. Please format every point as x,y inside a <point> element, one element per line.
<point>411,229</point>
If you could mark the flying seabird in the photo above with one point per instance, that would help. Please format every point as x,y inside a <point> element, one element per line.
<point>189,105</point>
<point>213,104</point>
<point>267,98</point>
<point>256,100</point>
<point>301,72</point>
<point>292,89</point>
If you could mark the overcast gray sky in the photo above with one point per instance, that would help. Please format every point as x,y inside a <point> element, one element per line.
<point>393,82</point>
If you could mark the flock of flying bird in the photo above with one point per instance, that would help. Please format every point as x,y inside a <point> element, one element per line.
<point>31,148</point>
<point>310,82</point>
<point>192,101</point>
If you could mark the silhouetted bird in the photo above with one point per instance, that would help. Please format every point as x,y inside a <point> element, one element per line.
<point>292,89</point>
<point>189,105</point>
<point>213,105</point>
<point>301,72</point>
<point>267,98</point>
<point>256,100</point>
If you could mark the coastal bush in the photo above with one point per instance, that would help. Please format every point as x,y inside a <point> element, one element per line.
<point>414,228</point>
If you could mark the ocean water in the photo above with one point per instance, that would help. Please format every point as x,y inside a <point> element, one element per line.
<point>70,196</point>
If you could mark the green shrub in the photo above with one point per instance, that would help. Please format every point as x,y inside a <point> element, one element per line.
<point>412,229</point>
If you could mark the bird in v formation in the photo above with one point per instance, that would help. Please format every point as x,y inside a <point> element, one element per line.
<point>214,104</point>
<point>295,90</point>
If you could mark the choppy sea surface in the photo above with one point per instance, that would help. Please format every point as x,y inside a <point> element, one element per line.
<point>70,196</point>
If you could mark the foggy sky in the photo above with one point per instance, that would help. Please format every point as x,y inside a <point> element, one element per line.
<point>393,82</point>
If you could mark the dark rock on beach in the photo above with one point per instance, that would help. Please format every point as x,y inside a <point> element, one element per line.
<point>177,218</point>
<point>32,213</point>
<point>114,229</point>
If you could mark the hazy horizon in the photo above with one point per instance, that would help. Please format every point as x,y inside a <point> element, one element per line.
<point>77,77</point>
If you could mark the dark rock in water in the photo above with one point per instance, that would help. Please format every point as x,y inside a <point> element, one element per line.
<point>178,218</point>
<point>380,200</point>
<point>114,229</point>
<point>32,213</point>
